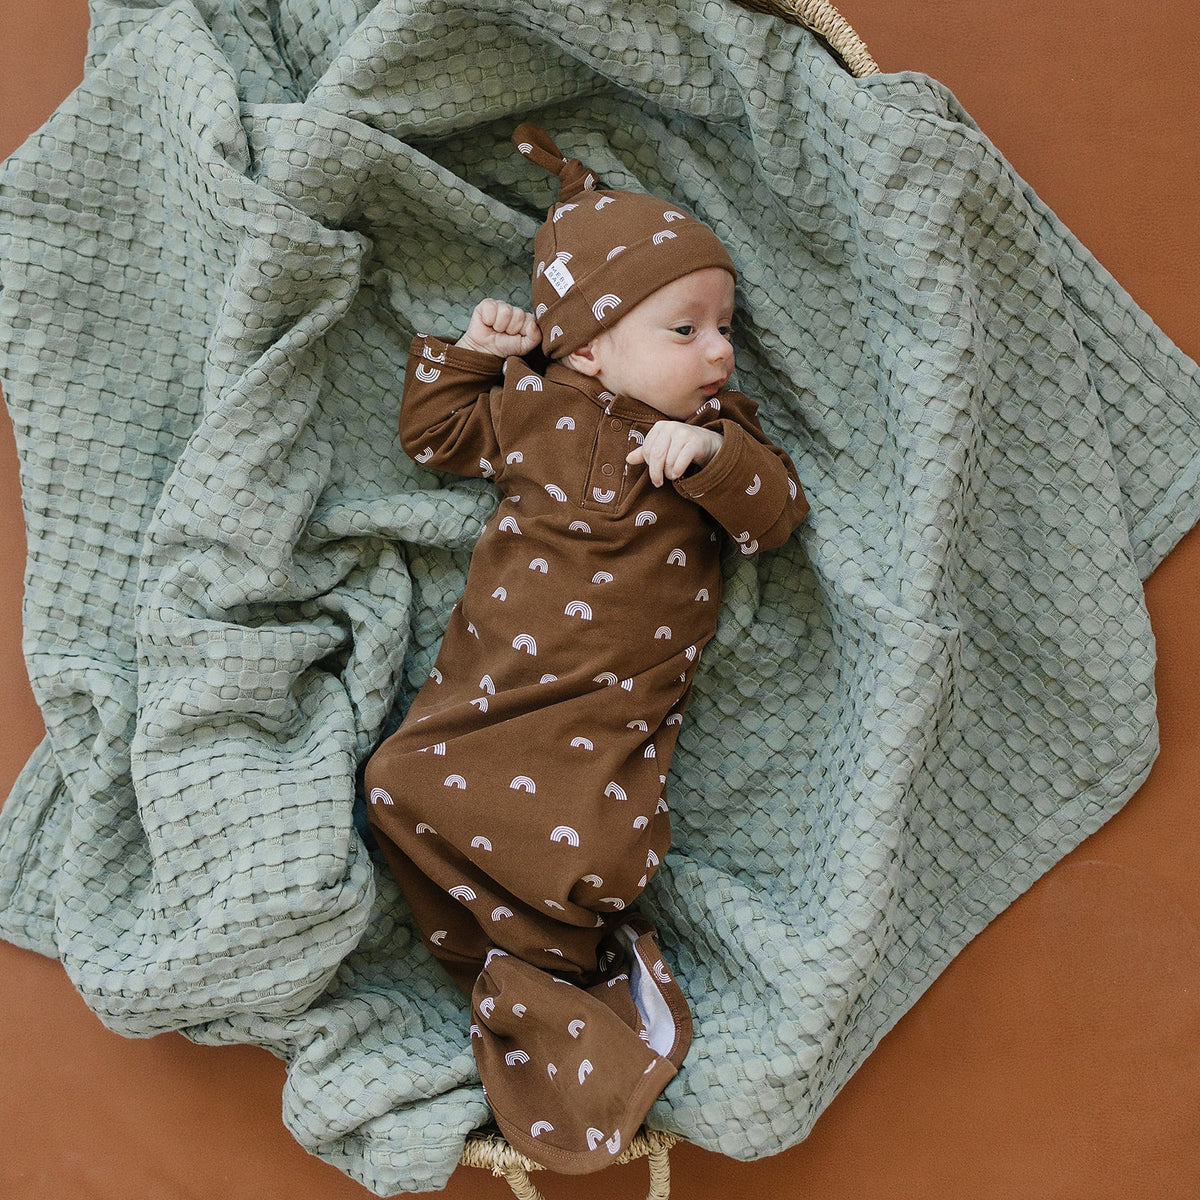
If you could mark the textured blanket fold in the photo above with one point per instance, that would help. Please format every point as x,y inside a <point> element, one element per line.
<point>212,261</point>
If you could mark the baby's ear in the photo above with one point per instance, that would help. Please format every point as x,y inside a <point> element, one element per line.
<point>584,360</point>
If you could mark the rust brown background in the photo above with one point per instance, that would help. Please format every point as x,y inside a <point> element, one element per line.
<point>1059,1055</point>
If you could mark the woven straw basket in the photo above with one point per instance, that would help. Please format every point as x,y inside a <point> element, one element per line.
<point>489,1149</point>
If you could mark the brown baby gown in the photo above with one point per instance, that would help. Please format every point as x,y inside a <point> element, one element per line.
<point>522,804</point>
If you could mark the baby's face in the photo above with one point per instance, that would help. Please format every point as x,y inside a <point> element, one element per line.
<point>673,351</point>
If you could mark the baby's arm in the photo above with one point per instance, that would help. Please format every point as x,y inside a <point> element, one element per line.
<point>750,485</point>
<point>500,328</point>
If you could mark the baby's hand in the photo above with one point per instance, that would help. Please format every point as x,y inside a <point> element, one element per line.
<point>671,447</point>
<point>502,329</point>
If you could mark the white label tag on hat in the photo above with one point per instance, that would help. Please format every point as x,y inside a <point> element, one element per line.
<point>560,277</point>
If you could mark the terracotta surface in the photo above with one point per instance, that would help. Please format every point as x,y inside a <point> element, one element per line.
<point>1059,1056</point>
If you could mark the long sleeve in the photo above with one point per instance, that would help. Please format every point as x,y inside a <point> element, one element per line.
<point>451,401</point>
<point>750,487</point>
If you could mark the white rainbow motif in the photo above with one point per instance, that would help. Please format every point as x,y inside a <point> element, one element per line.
<point>476,1032</point>
<point>661,806</point>
<point>665,235</point>
<point>792,488</point>
<point>522,783</point>
<point>652,859</point>
<point>702,594</point>
<point>605,305</point>
<point>645,517</point>
<point>438,937</point>
<point>638,724</point>
<point>427,374</point>
<point>615,901</point>
<point>462,893</point>
<point>585,1069</point>
<point>576,1027</point>
<point>677,558</point>
<point>472,630</point>
<point>379,796</point>
<point>605,201</point>
<point>579,527</point>
<point>650,751</point>
<point>750,547</point>
<point>500,594</point>
<point>556,333</point>
<point>487,1005</point>
<point>602,577</point>
<point>641,822</point>
<point>481,843</point>
<point>714,404</point>
<point>662,633</point>
<point>540,311</point>
<point>551,1070</point>
<point>436,675</point>
<point>486,685</point>
<point>494,952</point>
<point>613,1144</point>
<point>605,677</point>
<point>660,972</point>
<point>525,148</point>
<point>594,1138</point>
<point>565,423</point>
<point>675,719</point>
<point>455,781</point>
<point>554,490</point>
<point>515,457</point>
<point>425,827</point>
<point>553,904</point>
<point>589,182</point>
<point>562,210</point>
<point>594,880</point>
<point>513,1057</point>
<point>690,653</point>
<point>480,702</point>
<point>755,485</point>
<point>519,1010</point>
<point>603,496</point>
<point>486,469</point>
<point>425,455</point>
<point>671,215</point>
<point>577,608</point>
<point>582,743</point>
<point>564,256</point>
<point>540,565</point>
<point>565,834</point>
<point>524,642</point>
<point>540,1127</point>
<point>614,252</point>
<point>635,436</point>
<point>427,352</point>
<point>500,912</point>
<point>548,679</point>
<point>627,685</point>
<point>615,791</point>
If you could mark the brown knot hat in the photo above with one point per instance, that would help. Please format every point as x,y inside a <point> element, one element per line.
<point>600,252</point>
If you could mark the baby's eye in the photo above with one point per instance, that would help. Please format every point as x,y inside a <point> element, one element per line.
<point>685,330</point>
<point>726,330</point>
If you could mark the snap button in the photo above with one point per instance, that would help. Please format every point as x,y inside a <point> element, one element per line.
<point>617,425</point>
<point>607,469</point>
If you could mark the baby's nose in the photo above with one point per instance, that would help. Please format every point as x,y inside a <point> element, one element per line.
<point>719,348</point>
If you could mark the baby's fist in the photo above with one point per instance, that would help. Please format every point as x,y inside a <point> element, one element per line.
<point>500,328</point>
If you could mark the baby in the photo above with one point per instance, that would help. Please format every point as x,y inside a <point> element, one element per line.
<point>522,805</point>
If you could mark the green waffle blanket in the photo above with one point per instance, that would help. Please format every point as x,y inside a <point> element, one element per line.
<point>213,259</point>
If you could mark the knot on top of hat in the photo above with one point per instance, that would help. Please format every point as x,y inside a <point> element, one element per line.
<point>538,146</point>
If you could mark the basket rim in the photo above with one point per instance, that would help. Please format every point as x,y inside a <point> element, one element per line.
<point>823,19</point>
